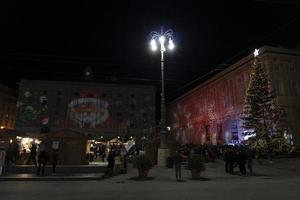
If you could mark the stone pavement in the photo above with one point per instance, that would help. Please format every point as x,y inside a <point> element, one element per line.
<point>214,171</point>
<point>277,180</point>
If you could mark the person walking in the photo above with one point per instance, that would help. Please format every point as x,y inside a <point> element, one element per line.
<point>177,163</point>
<point>2,160</point>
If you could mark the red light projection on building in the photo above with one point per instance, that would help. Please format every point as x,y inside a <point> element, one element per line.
<point>211,114</point>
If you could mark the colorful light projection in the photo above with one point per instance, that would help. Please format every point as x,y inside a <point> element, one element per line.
<point>88,110</point>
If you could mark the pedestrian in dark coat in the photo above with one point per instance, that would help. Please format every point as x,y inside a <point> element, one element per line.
<point>241,160</point>
<point>226,159</point>
<point>43,158</point>
<point>111,163</point>
<point>32,154</point>
<point>177,163</point>
<point>249,160</point>
<point>231,159</point>
<point>54,160</point>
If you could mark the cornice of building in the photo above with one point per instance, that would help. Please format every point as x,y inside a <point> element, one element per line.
<point>66,84</point>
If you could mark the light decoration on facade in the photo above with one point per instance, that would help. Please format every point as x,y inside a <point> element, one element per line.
<point>249,133</point>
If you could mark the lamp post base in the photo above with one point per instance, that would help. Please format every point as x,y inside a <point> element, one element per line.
<point>163,154</point>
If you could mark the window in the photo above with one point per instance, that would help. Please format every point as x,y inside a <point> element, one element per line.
<point>291,68</point>
<point>278,87</point>
<point>294,88</point>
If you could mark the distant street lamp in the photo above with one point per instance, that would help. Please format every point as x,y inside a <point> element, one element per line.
<point>158,40</point>
<point>161,38</point>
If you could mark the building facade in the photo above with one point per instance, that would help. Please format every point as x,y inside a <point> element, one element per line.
<point>98,109</point>
<point>8,100</point>
<point>211,112</point>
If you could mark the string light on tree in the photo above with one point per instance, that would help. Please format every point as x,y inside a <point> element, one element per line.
<point>261,115</point>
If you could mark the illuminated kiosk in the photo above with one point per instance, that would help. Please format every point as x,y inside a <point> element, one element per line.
<point>163,151</point>
<point>71,145</point>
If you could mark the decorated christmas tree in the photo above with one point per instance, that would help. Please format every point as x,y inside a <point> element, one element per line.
<point>262,118</point>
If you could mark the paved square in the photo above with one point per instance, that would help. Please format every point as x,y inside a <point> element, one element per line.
<point>277,180</point>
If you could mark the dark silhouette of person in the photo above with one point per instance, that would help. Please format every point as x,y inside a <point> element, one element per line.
<point>54,156</point>
<point>32,155</point>
<point>249,160</point>
<point>177,163</point>
<point>111,163</point>
<point>227,159</point>
<point>241,160</point>
<point>15,152</point>
<point>231,159</point>
<point>42,161</point>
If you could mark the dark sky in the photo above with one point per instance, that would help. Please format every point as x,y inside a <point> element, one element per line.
<point>40,40</point>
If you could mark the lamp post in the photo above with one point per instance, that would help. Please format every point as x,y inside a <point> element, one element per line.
<point>161,38</point>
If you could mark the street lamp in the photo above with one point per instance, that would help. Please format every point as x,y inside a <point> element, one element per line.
<point>158,42</point>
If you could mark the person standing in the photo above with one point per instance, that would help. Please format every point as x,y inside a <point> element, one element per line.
<point>241,160</point>
<point>249,160</point>
<point>15,152</point>
<point>2,160</point>
<point>231,159</point>
<point>54,160</point>
<point>111,163</point>
<point>226,159</point>
<point>177,163</point>
<point>32,155</point>
<point>42,161</point>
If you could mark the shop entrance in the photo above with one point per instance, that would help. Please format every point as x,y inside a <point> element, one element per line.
<point>98,150</point>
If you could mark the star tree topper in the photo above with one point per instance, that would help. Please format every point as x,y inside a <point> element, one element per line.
<point>256,52</point>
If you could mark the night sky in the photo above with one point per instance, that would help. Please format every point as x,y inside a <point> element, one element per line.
<point>57,41</point>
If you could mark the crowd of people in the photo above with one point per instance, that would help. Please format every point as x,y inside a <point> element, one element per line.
<point>38,155</point>
<point>233,156</point>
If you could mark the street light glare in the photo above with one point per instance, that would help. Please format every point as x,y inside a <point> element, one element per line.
<point>171,44</point>
<point>162,40</point>
<point>153,45</point>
